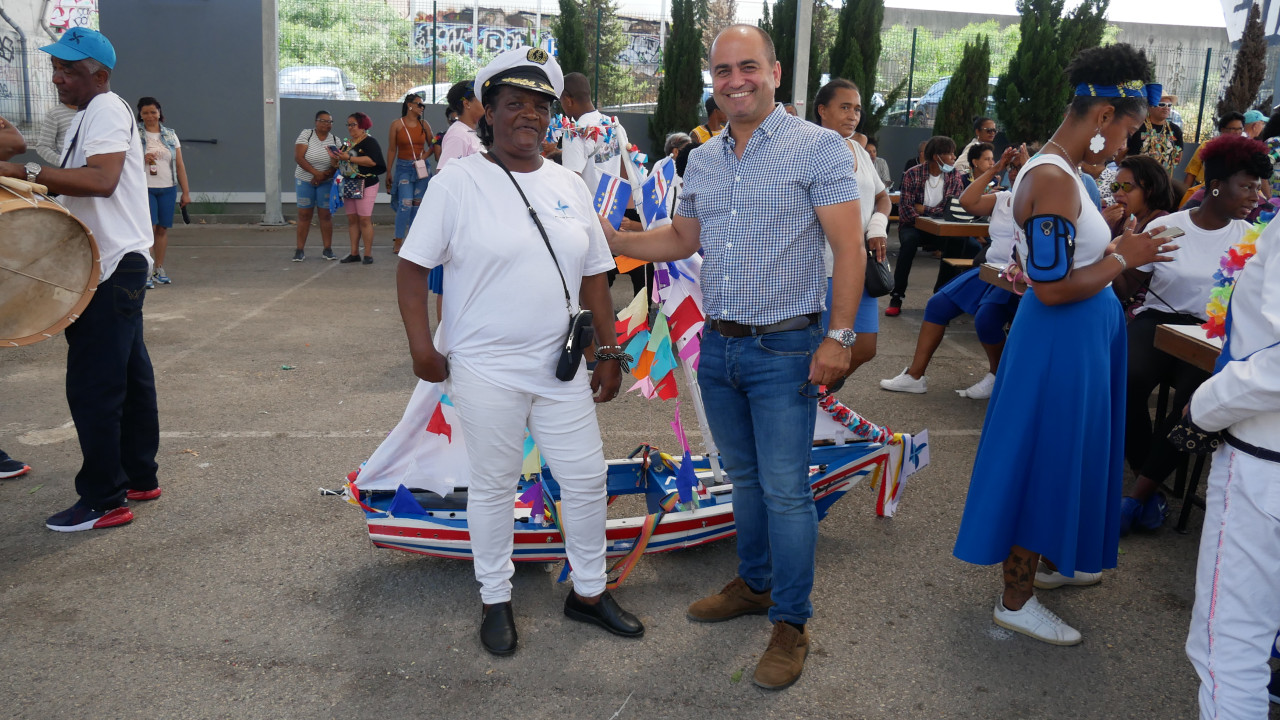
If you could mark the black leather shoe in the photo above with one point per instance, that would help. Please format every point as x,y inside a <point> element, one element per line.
<point>606,613</point>
<point>498,629</point>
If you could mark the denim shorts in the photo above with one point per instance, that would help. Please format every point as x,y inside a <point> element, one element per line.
<point>162,201</point>
<point>310,196</point>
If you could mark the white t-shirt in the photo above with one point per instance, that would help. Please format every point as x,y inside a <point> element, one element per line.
<point>504,311</point>
<point>458,141</point>
<point>121,224</point>
<point>934,186</point>
<point>1183,284</point>
<point>316,154</point>
<point>591,157</point>
<point>869,185</point>
<point>164,172</point>
<point>1002,230</point>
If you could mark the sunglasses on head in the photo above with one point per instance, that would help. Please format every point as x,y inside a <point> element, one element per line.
<point>1125,186</point>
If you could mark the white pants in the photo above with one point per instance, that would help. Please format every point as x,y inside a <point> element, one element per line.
<point>493,422</point>
<point>1236,615</point>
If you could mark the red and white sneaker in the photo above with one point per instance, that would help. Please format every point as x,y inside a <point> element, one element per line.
<point>143,494</point>
<point>82,517</point>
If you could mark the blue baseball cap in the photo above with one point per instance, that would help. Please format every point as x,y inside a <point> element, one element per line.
<point>1254,116</point>
<point>81,43</point>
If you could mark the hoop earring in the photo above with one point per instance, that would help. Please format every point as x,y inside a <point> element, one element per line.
<point>1097,142</point>
<point>1215,192</point>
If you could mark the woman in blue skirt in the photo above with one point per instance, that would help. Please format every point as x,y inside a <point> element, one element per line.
<point>1044,498</point>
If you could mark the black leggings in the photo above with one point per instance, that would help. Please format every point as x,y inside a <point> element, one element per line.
<point>1150,453</point>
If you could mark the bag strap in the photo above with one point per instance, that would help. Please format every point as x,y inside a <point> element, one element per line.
<point>568,301</point>
<point>410,139</point>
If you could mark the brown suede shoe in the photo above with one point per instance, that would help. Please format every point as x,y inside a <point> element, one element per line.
<point>737,598</point>
<point>782,663</point>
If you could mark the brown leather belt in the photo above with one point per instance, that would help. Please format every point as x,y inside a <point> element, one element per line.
<point>728,328</point>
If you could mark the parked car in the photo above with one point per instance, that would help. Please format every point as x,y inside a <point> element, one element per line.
<point>317,82</point>
<point>925,111</point>
<point>424,91</point>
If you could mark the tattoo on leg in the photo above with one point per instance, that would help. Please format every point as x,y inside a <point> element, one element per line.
<point>1019,576</point>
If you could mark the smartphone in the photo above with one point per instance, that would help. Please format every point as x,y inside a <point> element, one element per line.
<point>1169,233</point>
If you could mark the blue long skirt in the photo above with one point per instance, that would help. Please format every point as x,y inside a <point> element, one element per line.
<point>1048,472</point>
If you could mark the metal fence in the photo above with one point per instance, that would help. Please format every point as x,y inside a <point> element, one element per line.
<point>448,43</point>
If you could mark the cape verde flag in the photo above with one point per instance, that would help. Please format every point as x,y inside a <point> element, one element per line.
<point>612,195</point>
<point>654,190</point>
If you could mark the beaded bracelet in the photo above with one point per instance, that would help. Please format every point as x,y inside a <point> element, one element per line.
<point>624,360</point>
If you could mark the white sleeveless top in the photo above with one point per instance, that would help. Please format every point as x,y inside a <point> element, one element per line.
<point>1092,233</point>
<point>1002,230</point>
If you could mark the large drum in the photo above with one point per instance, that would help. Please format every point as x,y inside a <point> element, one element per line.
<point>49,265</point>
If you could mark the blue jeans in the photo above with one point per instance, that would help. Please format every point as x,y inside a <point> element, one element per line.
<point>764,429</point>
<point>111,390</point>
<point>407,192</point>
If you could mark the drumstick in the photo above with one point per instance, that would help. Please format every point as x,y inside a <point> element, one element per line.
<point>28,187</point>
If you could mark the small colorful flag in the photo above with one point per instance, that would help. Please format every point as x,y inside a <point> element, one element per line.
<point>653,198</point>
<point>438,425</point>
<point>612,195</point>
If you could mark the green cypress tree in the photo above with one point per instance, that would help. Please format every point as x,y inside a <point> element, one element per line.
<point>615,83</point>
<point>966,95</point>
<point>855,56</point>
<point>680,89</point>
<point>1033,92</point>
<point>781,27</point>
<point>1250,67</point>
<point>571,41</point>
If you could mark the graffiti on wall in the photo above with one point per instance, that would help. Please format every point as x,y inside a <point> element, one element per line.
<point>67,14</point>
<point>456,38</point>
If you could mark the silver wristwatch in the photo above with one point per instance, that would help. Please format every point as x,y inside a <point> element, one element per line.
<point>33,171</point>
<point>845,337</point>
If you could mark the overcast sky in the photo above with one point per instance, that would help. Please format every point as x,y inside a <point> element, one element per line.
<point>1202,13</point>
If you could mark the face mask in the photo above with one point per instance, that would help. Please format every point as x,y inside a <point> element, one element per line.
<point>946,168</point>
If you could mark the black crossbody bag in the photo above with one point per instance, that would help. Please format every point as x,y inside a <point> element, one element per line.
<point>581,332</point>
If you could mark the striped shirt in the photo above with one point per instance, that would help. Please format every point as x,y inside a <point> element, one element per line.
<point>316,153</point>
<point>760,229</point>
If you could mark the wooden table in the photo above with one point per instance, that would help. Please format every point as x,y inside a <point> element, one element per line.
<point>949,229</point>
<point>1190,344</point>
<point>991,274</point>
<point>894,197</point>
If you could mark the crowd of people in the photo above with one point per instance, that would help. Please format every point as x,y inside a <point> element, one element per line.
<point>1109,244</point>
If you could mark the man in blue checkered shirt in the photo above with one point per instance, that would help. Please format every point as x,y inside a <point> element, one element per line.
<point>759,199</point>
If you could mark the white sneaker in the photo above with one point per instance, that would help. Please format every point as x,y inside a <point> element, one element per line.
<point>980,390</point>
<point>1047,579</point>
<point>906,383</point>
<point>1037,621</point>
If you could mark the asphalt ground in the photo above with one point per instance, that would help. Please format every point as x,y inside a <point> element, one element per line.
<point>242,593</point>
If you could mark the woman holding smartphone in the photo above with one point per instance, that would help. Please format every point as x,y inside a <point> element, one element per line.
<point>1235,167</point>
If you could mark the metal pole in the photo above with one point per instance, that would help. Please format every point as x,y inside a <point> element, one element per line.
<point>911,76</point>
<point>435,54</point>
<point>537,33</point>
<point>662,30</point>
<point>1204,89</point>
<point>273,212</point>
<point>595,92</point>
<point>475,30</point>
<point>800,73</point>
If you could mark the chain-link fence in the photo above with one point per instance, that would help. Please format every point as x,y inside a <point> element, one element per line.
<point>368,50</point>
<point>26,88</point>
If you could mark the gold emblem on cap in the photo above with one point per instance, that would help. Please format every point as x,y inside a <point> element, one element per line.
<point>537,55</point>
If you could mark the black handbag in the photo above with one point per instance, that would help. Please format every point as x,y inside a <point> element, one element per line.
<point>879,280</point>
<point>581,331</point>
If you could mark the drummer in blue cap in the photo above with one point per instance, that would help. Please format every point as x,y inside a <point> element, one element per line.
<point>111,387</point>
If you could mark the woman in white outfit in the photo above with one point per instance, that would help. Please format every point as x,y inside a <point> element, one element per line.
<point>1237,614</point>
<point>512,289</point>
